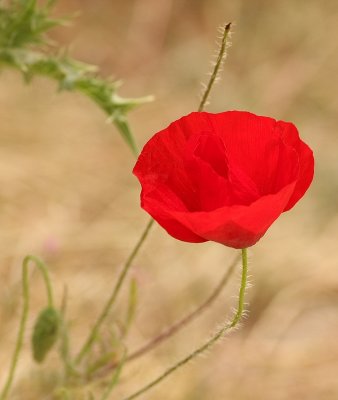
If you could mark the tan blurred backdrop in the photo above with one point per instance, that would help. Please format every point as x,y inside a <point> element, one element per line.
<point>68,195</point>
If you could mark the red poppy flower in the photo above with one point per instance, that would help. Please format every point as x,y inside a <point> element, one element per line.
<point>223,177</point>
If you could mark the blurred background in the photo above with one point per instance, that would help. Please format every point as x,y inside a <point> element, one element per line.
<point>68,195</point>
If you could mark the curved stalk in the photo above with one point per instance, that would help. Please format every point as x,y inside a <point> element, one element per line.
<point>180,324</point>
<point>91,338</point>
<point>25,288</point>
<point>221,332</point>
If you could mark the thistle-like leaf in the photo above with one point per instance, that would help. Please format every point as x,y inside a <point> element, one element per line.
<point>24,25</point>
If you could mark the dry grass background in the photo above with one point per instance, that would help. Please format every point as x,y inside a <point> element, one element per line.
<point>67,195</point>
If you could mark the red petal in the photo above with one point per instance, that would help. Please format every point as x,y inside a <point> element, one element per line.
<point>160,202</point>
<point>223,177</point>
<point>290,136</point>
<point>162,161</point>
<point>253,143</point>
<point>238,226</point>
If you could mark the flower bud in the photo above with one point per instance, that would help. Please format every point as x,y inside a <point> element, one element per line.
<point>45,333</point>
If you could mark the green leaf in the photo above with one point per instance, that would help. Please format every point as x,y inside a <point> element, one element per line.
<point>45,333</point>
<point>25,23</point>
<point>123,126</point>
<point>23,26</point>
<point>73,75</point>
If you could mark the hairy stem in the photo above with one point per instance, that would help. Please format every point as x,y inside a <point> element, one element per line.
<point>91,338</point>
<point>219,61</point>
<point>227,326</point>
<point>93,334</point>
<point>25,289</point>
<point>181,323</point>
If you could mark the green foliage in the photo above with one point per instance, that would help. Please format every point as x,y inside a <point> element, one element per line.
<point>23,26</point>
<point>45,333</point>
<point>22,23</point>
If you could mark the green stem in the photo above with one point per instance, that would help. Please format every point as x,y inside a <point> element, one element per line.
<point>181,323</point>
<point>25,288</point>
<point>115,378</point>
<point>219,61</point>
<point>93,334</point>
<point>45,274</point>
<point>187,318</point>
<point>91,338</point>
<point>241,296</point>
<point>237,317</point>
